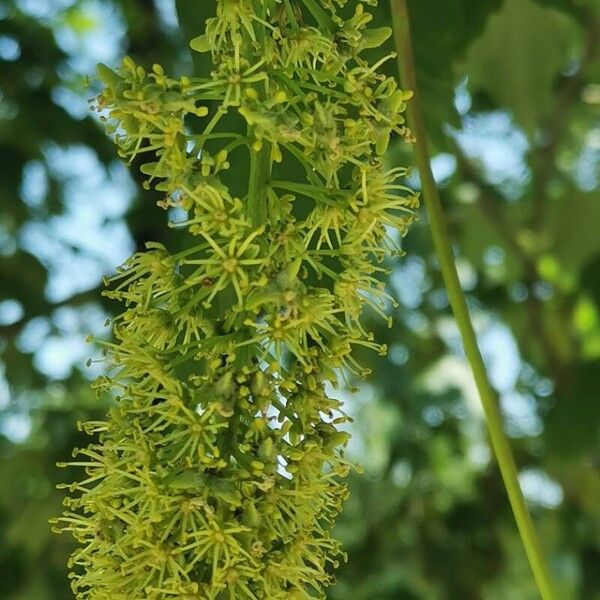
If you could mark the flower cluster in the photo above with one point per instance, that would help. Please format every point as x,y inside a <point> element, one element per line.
<point>219,471</point>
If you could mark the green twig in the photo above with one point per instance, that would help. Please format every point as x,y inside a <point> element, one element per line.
<point>459,306</point>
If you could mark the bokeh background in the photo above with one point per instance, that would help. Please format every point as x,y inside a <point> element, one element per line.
<point>512,97</point>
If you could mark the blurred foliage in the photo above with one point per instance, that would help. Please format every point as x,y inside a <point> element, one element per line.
<point>513,107</point>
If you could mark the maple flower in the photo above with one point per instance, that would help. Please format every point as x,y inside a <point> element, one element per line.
<point>219,471</point>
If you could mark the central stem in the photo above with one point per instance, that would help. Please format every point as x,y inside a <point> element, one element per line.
<point>443,248</point>
<point>260,174</point>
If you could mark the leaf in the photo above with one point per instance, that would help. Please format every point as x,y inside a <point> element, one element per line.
<point>192,18</point>
<point>320,16</point>
<point>193,480</point>
<point>573,427</point>
<point>373,38</point>
<point>442,32</point>
<point>523,50</point>
<point>187,480</point>
<point>590,281</point>
<point>200,43</point>
<point>107,76</point>
<point>576,8</point>
<point>226,491</point>
<point>478,234</point>
<point>80,20</point>
<point>572,225</point>
<point>154,169</point>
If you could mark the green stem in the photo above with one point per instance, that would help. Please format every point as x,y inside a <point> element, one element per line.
<point>460,309</point>
<point>260,174</point>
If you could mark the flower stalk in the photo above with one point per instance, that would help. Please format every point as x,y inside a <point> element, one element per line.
<point>443,248</point>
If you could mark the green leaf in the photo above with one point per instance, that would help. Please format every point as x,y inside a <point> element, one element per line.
<point>373,38</point>
<point>572,225</point>
<point>226,491</point>
<point>193,480</point>
<point>107,76</point>
<point>478,234</point>
<point>200,43</point>
<point>320,16</point>
<point>573,427</point>
<point>442,33</point>
<point>523,50</point>
<point>187,480</point>
<point>192,19</point>
<point>590,281</point>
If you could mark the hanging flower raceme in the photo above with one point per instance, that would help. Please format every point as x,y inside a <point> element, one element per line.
<point>219,472</point>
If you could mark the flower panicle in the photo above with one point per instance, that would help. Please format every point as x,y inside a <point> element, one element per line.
<point>219,471</point>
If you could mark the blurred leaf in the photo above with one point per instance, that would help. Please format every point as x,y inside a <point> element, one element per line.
<point>573,427</point>
<point>572,224</point>
<point>590,281</point>
<point>480,238</point>
<point>517,60</point>
<point>442,33</point>
<point>192,18</point>
<point>79,20</point>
